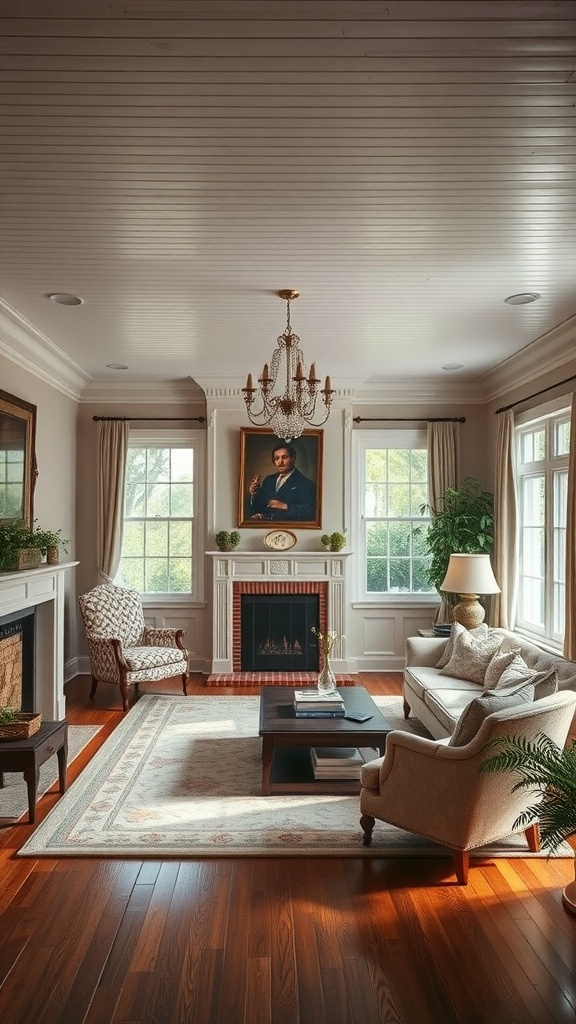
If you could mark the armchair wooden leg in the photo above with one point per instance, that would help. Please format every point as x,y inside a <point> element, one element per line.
<point>406,708</point>
<point>461,864</point>
<point>185,683</point>
<point>94,686</point>
<point>124,692</point>
<point>532,834</point>
<point>367,823</point>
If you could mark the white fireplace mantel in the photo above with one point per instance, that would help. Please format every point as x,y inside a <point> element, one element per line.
<point>42,589</point>
<point>231,567</point>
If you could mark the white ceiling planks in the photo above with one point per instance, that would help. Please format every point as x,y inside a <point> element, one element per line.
<point>405,166</point>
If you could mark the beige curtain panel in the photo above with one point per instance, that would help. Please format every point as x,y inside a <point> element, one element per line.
<point>112,451</point>
<point>503,608</point>
<point>443,471</point>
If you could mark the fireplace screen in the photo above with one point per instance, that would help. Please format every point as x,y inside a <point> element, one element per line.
<point>17,662</point>
<point>276,632</point>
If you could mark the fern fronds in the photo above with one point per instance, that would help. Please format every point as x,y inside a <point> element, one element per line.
<point>549,770</point>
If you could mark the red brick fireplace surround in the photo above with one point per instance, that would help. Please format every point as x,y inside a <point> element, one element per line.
<point>239,678</point>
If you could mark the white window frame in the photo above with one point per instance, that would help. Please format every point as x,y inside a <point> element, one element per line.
<point>412,437</point>
<point>546,416</point>
<point>182,438</point>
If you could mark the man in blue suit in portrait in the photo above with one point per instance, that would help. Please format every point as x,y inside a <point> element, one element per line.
<point>286,495</point>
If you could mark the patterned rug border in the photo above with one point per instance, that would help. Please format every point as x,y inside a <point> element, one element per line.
<point>88,820</point>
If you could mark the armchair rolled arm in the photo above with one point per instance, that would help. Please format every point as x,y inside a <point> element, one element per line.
<point>164,637</point>
<point>424,650</point>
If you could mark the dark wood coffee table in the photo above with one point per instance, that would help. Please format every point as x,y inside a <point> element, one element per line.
<point>286,740</point>
<point>28,755</point>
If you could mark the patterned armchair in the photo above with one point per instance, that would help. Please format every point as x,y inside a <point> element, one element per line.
<point>123,649</point>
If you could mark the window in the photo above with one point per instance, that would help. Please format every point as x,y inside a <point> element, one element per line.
<point>393,486</point>
<point>543,447</point>
<point>160,515</point>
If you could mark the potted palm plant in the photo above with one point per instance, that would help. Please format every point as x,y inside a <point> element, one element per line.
<point>551,771</point>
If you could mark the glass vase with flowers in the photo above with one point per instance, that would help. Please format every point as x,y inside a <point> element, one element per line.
<point>327,680</point>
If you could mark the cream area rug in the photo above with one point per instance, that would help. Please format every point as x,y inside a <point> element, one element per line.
<point>14,796</point>
<point>180,776</point>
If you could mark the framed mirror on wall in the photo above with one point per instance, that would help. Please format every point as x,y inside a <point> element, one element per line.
<point>17,459</point>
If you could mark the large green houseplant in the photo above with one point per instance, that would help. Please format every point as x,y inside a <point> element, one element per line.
<point>462,522</point>
<point>551,771</point>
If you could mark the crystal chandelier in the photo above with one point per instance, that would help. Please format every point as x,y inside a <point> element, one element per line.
<point>288,397</point>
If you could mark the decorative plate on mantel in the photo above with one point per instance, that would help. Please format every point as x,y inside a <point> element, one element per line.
<point>280,540</point>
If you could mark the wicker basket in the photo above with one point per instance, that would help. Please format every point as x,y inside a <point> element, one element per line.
<point>22,729</point>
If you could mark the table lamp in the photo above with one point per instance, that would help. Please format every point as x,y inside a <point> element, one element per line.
<point>469,576</point>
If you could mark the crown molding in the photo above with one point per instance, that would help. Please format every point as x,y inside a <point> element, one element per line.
<point>150,392</point>
<point>229,393</point>
<point>24,345</point>
<point>549,352</point>
<point>392,390</point>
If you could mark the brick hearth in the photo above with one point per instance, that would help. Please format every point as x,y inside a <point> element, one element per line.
<point>272,679</point>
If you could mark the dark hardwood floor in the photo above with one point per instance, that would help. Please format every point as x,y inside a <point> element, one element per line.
<point>273,941</point>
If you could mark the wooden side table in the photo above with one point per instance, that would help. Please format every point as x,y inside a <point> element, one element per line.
<point>28,755</point>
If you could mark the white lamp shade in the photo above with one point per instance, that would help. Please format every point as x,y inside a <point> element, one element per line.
<point>470,574</point>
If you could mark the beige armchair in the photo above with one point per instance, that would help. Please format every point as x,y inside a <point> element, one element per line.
<point>123,649</point>
<point>436,791</point>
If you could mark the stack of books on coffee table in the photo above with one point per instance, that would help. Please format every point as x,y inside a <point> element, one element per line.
<point>340,762</point>
<point>312,704</point>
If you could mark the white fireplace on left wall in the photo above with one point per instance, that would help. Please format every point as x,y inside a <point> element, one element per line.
<point>43,590</point>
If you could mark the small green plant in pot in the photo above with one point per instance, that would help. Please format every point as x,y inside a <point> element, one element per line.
<point>333,541</point>
<point>550,771</point>
<point>226,541</point>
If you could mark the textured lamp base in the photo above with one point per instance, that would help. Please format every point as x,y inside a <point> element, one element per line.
<point>469,613</point>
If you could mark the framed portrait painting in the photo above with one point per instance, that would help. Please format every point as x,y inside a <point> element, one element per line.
<point>280,483</point>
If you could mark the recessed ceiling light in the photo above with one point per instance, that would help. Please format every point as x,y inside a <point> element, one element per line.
<point>522,298</point>
<point>65,299</point>
<point>116,366</point>
<point>453,366</point>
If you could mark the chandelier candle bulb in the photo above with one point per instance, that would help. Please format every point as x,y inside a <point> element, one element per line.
<point>312,378</point>
<point>328,385</point>
<point>300,375</point>
<point>249,385</point>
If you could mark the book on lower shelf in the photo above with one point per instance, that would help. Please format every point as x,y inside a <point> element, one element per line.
<point>340,762</point>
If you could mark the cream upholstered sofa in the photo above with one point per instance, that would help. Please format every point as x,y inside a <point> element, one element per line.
<point>436,790</point>
<point>438,700</point>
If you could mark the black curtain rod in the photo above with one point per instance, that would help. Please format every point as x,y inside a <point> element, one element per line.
<point>513,405</point>
<point>146,419</point>
<point>409,419</point>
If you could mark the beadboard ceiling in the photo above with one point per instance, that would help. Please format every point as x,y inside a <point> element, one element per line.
<point>405,165</point>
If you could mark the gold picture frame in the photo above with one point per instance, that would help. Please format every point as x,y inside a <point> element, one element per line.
<point>298,502</point>
<point>18,470</point>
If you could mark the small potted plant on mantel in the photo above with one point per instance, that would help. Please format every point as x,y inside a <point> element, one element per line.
<point>22,548</point>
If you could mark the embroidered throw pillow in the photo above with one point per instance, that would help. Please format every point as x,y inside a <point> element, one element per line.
<point>457,630</point>
<point>478,709</point>
<point>544,681</point>
<point>471,656</point>
<point>498,662</point>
